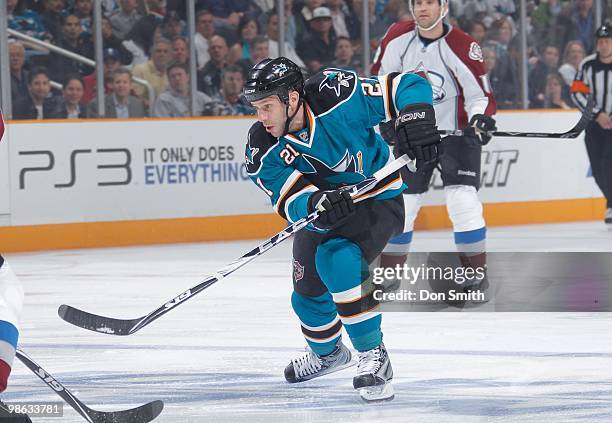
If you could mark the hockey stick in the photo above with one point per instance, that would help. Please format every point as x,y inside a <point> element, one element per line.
<point>587,116</point>
<point>113,326</point>
<point>143,414</point>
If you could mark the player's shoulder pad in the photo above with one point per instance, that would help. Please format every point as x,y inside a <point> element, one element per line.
<point>396,30</point>
<point>328,88</point>
<point>259,142</point>
<point>464,46</point>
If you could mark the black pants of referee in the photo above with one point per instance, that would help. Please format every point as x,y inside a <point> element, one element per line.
<point>599,149</point>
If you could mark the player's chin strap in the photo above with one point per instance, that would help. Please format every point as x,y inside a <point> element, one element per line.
<point>443,14</point>
<point>297,109</point>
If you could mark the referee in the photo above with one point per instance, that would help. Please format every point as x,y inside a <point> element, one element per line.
<point>595,77</point>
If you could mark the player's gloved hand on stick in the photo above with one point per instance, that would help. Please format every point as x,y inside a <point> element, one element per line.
<point>334,207</point>
<point>418,136</point>
<point>481,128</point>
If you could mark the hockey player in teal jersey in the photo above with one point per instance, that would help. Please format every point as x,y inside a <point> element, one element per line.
<point>312,138</point>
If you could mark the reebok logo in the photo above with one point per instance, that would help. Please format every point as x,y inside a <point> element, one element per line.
<point>412,116</point>
<point>466,173</point>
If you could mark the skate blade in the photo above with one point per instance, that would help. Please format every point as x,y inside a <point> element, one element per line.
<point>377,393</point>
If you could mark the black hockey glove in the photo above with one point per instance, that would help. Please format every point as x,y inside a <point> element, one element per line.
<point>387,131</point>
<point>418,136</point>
<point>481,129</point>
<point>335,207</point>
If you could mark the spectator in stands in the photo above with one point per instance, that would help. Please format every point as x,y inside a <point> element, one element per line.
<point>345,56</point>
<point>205,29</point>
<point>38,104</point>
<point>73,41</point>
<point>500,36</point>
<point>378,25</point>
<point>154,71</point>
<point>317,48</point>
<point>111,64</point>
<point>247,31</point>
<point>180,50</point>
<point>120,103</point>
<point>584,24</point>
<point>19,76</point>
<point>111,41</point>
<point>83,9</point>
<point>304,16</point>
<point>556,94</point>
<point>228,13</point>
<point>572,56</point>
<point>477,31</point>
<point>343,20</point>
<point>142,33</point>
<point>25,20</point>
<point>290,23</point>
<point>504,81</point>
<point>272,32</point>
<point>259,51</point>
<point>123,20</point>
<point>176,101</point>
<point>173,27</point>
<point>52,17</point>
<point>209,77</point>
<point>230,104</point>
<point>69,106</point>
<point>548,63</point>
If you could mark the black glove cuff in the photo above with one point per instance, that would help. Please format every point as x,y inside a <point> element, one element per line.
<point>420,113</point>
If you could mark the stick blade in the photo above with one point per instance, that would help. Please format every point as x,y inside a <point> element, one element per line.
<point>143,414</point>
<point>96,323</point>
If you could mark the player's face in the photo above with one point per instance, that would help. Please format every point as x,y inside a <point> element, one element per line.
<point>426,12</point>
<point>271,113</point>
<point>604,48</point>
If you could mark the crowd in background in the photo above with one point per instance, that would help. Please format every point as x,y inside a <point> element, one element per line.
<point>148,39</point>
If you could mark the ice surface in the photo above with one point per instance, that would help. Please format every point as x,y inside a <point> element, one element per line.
<point>220,356</point>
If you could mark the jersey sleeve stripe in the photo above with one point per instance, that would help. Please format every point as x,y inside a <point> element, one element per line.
<point>393,80</point>
<point>295,183</point>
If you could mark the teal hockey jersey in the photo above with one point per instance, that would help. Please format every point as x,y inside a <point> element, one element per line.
<point>339,145</point>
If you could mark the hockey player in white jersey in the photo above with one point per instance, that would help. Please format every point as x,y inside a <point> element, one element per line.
<point>462,98</point>
<point>11,302</point>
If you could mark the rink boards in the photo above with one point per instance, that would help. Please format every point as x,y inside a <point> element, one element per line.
<point>70,184</point>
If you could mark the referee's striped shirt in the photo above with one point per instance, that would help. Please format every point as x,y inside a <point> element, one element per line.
<point>593,77</point>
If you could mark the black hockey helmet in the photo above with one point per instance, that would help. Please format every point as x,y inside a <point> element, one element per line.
<point>604,31</point>
<point>273,77</point>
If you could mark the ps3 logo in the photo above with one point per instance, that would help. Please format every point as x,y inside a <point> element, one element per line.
<point>46,160</point>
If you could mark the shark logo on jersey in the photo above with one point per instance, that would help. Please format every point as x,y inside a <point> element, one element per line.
<point>298,271</point>
<point>279,70</point>
<point>348,169</point>
<point>252,152</point>
<point>334,79</point>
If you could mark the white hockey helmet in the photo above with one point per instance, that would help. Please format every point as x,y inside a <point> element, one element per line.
<point>443,13</point>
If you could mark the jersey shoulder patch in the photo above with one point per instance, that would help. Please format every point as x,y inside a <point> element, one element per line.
<point>464,46</point>
<point>328,88</point>
<point>259,142</point>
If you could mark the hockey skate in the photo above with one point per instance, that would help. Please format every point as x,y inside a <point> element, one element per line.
<point>374,374</point>
<point>7,416</point>
<point>608,219</point>
<point>311,365</point>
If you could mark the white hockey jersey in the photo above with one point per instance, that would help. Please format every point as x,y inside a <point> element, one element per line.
<point>453,64</point>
